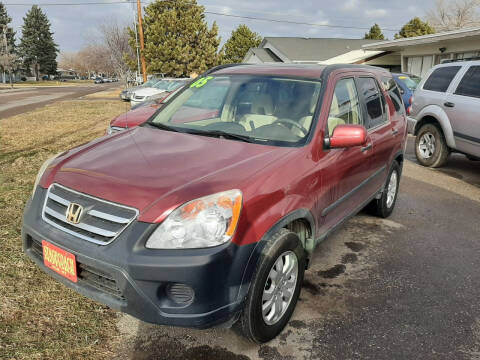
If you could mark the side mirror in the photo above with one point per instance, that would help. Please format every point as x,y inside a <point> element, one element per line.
<point>346,136</point>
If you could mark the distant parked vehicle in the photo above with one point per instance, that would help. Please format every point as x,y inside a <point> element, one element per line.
<point>138,113</point>
<point>165,85</point>
<point>126,94</point>
<point>407,84</point>
<point>446,112</point>
<point>98,80</point>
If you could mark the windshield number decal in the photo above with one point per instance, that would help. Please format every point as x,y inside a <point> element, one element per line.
<point>200,82</point>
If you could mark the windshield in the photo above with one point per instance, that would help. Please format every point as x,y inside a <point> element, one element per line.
<point>411,82</point>
<point>168,85</point>
<point>150,82</point>
<point>271,110</point>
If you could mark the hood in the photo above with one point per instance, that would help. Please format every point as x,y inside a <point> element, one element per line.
<point>135,117</point>
<point>150,168</point>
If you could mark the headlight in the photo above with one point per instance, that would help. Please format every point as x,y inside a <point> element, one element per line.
<point>42,170</point>
<point>205,222</point>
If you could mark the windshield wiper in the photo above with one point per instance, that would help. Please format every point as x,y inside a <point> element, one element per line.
<point>223,134</point>
<point>162,126</point>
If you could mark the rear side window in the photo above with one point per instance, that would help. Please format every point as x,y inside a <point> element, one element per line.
<point>374,101</point>
<point>470,84</point>
<point>441,78</point>
<point>391,88</point>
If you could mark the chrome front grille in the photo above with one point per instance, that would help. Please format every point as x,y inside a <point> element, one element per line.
<point>101,222</point>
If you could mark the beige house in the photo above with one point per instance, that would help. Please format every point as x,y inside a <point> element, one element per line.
<point>419,54</point>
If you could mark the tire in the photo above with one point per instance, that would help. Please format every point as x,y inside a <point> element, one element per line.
<point>384,206</point>
<point>431,148</point>
<point>255,325</point>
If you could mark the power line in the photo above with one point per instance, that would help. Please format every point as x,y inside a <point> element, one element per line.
<point>212,13</point>
<point>294,22</point>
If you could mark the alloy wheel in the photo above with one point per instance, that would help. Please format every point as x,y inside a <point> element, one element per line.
<point>426,145</point>
<point>279,287</point>
<point>392,189</point>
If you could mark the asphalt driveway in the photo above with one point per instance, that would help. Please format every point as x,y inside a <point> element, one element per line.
<point>402,288</point>
<point>18,101</point>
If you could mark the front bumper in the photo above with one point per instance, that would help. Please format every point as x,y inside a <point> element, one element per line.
<point>411,122</point>
<point>130,278</point>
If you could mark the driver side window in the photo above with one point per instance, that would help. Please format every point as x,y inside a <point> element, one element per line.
<point>345,106</point>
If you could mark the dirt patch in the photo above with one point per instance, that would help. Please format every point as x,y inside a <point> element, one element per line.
<point>333,272</point>
<point>349,258</point>
<point>354,246</point>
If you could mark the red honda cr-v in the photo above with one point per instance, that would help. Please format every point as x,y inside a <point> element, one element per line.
<point>209,212</point>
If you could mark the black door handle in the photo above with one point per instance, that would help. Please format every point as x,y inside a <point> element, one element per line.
<point>367,147</point>
<point>394,131</point>
<point>449,104</point>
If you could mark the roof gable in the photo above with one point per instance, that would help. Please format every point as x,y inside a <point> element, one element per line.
<point>311,49</point>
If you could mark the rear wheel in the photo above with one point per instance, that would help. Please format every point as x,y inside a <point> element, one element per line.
<point>275,287</point>
<point>383,207</point>
<point>430,146</point>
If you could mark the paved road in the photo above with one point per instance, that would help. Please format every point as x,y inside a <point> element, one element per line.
<point>402,288</point>
<point>26,99</point>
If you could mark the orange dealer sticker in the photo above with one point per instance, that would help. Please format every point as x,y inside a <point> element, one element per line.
<point>60,261</point>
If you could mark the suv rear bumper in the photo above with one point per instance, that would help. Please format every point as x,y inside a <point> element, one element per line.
<point>130,278</point>
<point>411,122</point>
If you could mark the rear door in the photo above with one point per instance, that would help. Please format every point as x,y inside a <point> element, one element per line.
<point>346,173</point>
<point>379,127</point>
<point>464,110</point>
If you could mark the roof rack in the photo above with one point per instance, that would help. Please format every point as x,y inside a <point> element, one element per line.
<point>460,60</point>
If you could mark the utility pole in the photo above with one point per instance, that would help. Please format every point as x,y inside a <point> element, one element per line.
<point>142,45</point>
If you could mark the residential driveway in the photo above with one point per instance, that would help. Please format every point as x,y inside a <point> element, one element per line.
<point>402,288</point>
<point>17,101</point>
<point>458,166</point>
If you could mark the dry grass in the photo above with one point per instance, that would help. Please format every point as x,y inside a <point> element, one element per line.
<point>46,83</point>
<point>40,318</point>
<point>113,94</point>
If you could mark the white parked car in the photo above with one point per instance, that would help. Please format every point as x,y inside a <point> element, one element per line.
<point>164,85</point>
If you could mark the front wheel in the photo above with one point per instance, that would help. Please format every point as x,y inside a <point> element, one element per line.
<point>275,287</point>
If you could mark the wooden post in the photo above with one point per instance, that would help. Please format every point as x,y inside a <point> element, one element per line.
<point>142,45</point>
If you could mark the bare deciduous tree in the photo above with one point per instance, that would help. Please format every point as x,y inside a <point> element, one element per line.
<point>114,38</point>
<point>454,14</point>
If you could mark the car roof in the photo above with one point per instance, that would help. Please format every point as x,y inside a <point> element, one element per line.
<point>313,71</point>
<point>458,63</point>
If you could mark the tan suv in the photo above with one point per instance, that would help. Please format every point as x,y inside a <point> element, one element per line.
<point>446,113</point>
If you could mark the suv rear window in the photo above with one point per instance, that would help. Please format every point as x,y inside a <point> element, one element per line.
<point>441,78</point>
<point>470,84</point>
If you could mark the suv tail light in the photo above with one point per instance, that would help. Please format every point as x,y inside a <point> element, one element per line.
<point>410,105</point>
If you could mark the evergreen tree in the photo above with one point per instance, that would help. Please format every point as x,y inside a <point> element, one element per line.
<point>4,21</point>
<point>414,27</point>
<point>375,33</point>
<point>241,40</point>
<point>37,47</point>
<point>178,41</point>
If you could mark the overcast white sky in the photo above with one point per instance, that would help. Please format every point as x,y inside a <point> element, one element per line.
<point>73,25</point>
